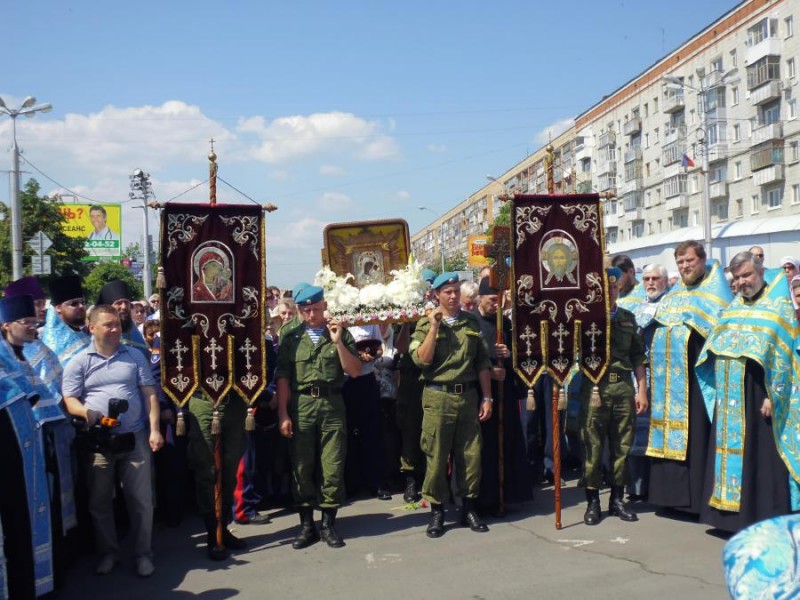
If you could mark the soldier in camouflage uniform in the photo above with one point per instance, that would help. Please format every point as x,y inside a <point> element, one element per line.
<point>614,418</point>
<point>449,348</point>
<point>312,363</point>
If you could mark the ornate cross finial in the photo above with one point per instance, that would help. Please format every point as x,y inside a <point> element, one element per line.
<point>500,250</point>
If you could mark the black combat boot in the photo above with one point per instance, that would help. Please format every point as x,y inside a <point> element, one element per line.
<point>436,524</point>
<point>617,506</point>
<point>411,494</point>
<point>469,518</point>
<point>328,530</point>
<point>308,532</point>
<point>231,541</point>
<point>214,552</point>
<point>592,515</point>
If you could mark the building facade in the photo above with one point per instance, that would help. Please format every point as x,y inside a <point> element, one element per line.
<point>726,99</point>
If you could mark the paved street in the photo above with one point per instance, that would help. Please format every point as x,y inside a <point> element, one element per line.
<point>388,556</point>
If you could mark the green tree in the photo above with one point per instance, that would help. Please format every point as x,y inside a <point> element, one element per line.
<point>132,251</point>
<point>503,217</point>
<point>104,272</point>
<point>456,263</point>
<point>40,213</point>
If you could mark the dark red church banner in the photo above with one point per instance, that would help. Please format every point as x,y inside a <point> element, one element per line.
<point>560,309</point>
<point>212,309</point>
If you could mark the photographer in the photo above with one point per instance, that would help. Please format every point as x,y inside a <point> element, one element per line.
<point>111,386</point>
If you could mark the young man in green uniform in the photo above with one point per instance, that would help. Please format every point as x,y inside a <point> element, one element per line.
<point>449,348</point>
<point>313,360</point>
<point>614,417</point>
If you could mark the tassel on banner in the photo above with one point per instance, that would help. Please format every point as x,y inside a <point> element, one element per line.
<point>530,402</point>
<point>250,420</point>
<point>562,399</point>
<point>216,423</point>
<point>161,279</point>
<point>180,425</point>
<point>594,399</point>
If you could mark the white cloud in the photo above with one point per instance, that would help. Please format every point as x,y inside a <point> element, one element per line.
<point>334,202</point>
<point>403,195</point>
<point>553,130</point>
<point>114,140</point>
<point>436,148</point>
<point>295,137</point>
<point>332,170</point>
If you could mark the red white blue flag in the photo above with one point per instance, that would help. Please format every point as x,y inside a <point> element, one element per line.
<point>686,161</point>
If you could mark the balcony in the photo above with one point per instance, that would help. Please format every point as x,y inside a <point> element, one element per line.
<point>764,93</point>
<point>611,220</point>
<point>714,79</point>
<point>609,138</point>
<point>607,166</point>
<point>677,202</point>
<point>633,126</point>
<point>676,134</point>
<point>718,151</point>
<point>637,214</point>
<point>673,102</point>
<point>717,189</point>
<point>767,47</point>
<point>769,175</point>
<point>632,185</point>
<point>773,131</point>
<point>766,155</point>
<point>632,155</point>
<point>632,201</point>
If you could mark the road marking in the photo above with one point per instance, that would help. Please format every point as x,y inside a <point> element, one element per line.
<point>620,540</point>
<point>374,562</point>
<point>576,543</point>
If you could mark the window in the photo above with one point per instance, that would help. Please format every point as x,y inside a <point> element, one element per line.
<point>611,235</point>
<point>796,193</point>
<point>658,224</point>
<point>769,113</point>
<point>646,109</point>
<point>669,223</point>
<point>792,108</point>
<point>734,96</point>
<point>794,151</point>
<point>755,203</point>
<point>655,105</point>
<point>734,59</point>
<point>722,210</point>
<point>638,229</point>
<point>764,29</point>
<point>737,133</point>
<point>716,64</point>
<point>791,68</point>
<point>646,140</point>
<point>655,135</point>
<point>774,198</point>
<point>739,208</point>
<point>763,70</point>
<point>788,26</point>
<point>737,170</point>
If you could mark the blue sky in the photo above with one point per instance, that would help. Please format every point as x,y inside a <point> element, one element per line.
<point>334,111</point>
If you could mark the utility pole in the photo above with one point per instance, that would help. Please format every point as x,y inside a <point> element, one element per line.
<point>142,189</point>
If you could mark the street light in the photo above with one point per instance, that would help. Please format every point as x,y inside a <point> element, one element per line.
<point>677,83</point>
<point>142,189</point>
<point>441,234</point>
<point>28,108</point>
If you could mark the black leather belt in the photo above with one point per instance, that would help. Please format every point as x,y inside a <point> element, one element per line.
<point>316,391</point>
<point>452,388</point>
<point>615,376</point>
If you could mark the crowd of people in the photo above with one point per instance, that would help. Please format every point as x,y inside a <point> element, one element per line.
<point>696,412</point>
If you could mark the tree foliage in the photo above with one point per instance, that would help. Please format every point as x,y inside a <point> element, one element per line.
<point>109,271</point>
<point>40,213</point>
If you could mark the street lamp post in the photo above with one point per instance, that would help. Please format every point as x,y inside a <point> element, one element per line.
<point>28,108</point>
<point>441,236</point>
<point>142,189</point>
<point>678,83</point>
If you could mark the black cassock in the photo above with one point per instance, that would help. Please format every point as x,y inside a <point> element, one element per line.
<point>517,484</point>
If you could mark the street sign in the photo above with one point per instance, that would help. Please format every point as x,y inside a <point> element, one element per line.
<point>41,265</point>
<point>40,242</point>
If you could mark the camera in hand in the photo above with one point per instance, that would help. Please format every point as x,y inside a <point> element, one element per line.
<point>101,437</point>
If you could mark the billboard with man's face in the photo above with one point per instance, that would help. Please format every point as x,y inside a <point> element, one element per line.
<point>100,225</point>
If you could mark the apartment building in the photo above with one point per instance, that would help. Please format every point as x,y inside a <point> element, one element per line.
<point>726,99</point>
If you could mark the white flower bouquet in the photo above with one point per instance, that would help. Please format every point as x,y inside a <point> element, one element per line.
<point>399,301</point>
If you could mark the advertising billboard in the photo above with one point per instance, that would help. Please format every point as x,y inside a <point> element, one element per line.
<point>476,250</point>
<point>100,225</point>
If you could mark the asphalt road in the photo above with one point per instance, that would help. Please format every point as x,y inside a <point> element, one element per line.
<point>388,556</point>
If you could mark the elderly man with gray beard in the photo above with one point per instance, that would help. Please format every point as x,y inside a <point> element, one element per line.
<point>747,372</point>
<point>655,284</point>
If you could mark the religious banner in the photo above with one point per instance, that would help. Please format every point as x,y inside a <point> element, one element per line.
<point>560,312</point>
<point>212,315</point>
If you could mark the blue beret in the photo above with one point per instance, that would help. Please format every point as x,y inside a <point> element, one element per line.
<point>16,307</point>
<point>444,279</point>
<point>298,288</point>
<point>311,294</point>
<point>26,285</point>
<point>428,275</point>
<point>614,274</point>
